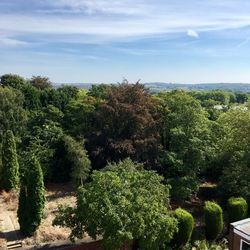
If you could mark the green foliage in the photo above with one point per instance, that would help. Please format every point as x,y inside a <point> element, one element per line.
<point>12,115</point>
<point>185,227</point>
<point>78,157</point>
<point>233,153</point>
<point>10,166</point>
<point>79,114</point>
<point>186,136</point>
<point>213,220</point>
<point>10,80</point>
<point>119,205</point>
<point>237,208</point>
<point>183,187</point>
<point>31,197</point>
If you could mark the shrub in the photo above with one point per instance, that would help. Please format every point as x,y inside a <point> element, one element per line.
<point>237,209</point>
<point>10,171</point>
<point>185,226</point>
<point>213,220</point>
<point>31,198</point>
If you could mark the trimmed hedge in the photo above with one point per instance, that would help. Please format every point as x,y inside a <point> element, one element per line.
<point>213,220</point>
<point>237,209</point>
<point>185,226</point>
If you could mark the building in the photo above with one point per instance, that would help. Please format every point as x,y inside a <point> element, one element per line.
<point>239,235</point>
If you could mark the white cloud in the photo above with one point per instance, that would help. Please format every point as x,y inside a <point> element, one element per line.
<point>192,33</point>
<point>11,42</point>
<point>105,20</point>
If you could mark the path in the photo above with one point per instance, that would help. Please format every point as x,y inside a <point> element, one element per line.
<point>9,227</point>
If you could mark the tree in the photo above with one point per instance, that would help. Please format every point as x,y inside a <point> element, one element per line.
<point>125,125</point>
<point>12,115</point>
<point>79,113</point>
<point>77,155</point>
<point>233,153</point>
<point>119,205</point>
<point>40,82</point>
<point>187,140</point>
<point>31,197</point>
<point>14,81</point>
<point>10,166</point>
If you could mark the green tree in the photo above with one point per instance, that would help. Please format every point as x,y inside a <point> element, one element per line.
<point>78,157</point>
<point>233,153</point>
<point>119,205</point>
<point>10,166</point>
<point>79,114</point>
<point>11,80</point>
<point>187,141</point>
<point>12,115</point>
<point>31,197</point>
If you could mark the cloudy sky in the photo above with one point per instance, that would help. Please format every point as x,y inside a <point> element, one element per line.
<point>187,41</point>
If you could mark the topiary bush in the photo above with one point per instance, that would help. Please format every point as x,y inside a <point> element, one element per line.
<point>185,226</point>
<point>237,209</point>
<point>213,220</point>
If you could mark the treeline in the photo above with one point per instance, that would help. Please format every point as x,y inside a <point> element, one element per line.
<point>187,137</point>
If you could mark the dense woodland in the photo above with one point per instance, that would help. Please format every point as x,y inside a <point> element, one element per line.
<point>166,144</point>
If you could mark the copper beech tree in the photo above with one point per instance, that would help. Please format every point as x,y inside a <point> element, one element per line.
<point>125,125</point>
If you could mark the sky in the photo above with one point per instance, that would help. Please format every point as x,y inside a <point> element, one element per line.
<point>94,41</point>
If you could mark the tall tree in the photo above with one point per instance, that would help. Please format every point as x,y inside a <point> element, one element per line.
<point>186,139</point>
<point>78,157</point>
<point>10,166</point>
<point>31,197</point>
<point>234,153</point>
<point>125,125</point>
<point>120,206</point>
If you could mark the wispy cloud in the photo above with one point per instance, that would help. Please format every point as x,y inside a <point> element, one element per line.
<point>105,20</point>
<point>192,33</point>
<point>5,41</point>
<point>243,43</point>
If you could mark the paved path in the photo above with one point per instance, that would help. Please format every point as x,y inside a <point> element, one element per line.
<point>8,226</point>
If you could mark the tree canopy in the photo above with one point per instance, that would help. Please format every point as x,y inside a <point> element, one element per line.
<point>119,205</point>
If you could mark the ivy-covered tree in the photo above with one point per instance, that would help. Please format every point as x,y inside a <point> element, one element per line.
<point>119,205</point>
<point>31,197</point>
<point>10,166</point>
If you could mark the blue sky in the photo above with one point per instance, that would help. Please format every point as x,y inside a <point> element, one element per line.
<point>186,41</point>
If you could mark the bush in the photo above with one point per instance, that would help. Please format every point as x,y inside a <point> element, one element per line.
<point>237,209</point>
<point>31,198</point>
<point>213,220</point>
<point>185,226</point>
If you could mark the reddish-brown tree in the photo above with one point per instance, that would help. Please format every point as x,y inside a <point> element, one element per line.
<point>126,125</point>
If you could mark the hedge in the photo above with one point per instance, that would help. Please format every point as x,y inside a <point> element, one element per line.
<point>237,209</point>
<point>213,220</point>
<point>185,226</point>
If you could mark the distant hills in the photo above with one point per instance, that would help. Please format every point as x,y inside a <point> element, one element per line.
<point>160,86</point>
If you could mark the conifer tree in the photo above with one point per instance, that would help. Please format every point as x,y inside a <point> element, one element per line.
<point>10,166</point>
<point>31,197</point>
